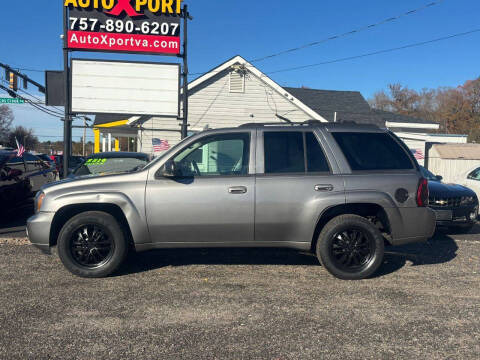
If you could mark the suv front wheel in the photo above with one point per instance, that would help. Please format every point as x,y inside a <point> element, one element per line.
<point>350,247</point>
<point>92,244</point>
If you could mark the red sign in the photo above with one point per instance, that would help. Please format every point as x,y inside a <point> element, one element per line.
<point>123,42</point>
<point>124,26</point>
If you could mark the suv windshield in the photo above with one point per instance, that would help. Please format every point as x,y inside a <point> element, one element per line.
<point>100,166</point>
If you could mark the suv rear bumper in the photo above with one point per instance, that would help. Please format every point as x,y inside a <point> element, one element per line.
<point>38,230</point>
<point>419,225</point>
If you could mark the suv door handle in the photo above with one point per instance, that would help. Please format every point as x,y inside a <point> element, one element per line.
<point>324,187</point>
<point>237,190</point>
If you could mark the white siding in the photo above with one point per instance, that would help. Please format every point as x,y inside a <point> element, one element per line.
<point>212,104</point>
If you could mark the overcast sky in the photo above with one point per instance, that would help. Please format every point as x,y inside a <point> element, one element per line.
<point>30,38</point>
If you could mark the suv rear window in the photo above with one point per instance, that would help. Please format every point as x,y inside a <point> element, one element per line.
<point>372,151</point>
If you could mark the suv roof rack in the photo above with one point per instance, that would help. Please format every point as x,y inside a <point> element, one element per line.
<point>305,123</point>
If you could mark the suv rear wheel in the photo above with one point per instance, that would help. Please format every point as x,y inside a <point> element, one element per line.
<point>350,247</point>
<point>92,245</point>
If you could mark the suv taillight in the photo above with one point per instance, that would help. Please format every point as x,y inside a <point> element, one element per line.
<point>422,193</point>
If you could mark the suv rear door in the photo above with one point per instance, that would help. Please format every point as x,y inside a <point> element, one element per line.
<point>297,178</point>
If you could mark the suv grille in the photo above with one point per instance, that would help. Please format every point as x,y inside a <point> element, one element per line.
<point>450,202</point>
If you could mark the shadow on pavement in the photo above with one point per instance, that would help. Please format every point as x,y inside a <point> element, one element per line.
<point>439,250</point>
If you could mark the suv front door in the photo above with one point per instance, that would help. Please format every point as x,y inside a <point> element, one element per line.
<point>211,200</point>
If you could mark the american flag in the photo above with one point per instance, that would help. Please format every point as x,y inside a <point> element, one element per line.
<point>418,154</point>
<point>20,149</point>
<point>160,145</point>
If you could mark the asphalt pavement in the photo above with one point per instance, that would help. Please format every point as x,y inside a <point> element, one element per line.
<point>244,304</point>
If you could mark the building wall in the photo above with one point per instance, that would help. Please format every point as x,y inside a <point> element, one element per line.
<point>212,105</point>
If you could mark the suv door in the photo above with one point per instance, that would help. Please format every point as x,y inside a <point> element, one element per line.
<point>297,179</point>
<point>211,201</point>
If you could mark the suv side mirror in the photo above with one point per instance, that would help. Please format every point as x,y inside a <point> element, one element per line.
<point>439,177</point>
<point>169,170</point>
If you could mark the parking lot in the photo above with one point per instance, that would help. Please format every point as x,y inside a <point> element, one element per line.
<point>244,304</point>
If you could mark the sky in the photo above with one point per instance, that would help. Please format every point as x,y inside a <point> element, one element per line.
<point>221,29</point>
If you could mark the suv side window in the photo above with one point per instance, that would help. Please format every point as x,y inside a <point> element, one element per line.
<point>373,151</point>
<point>293,152</point>
<point>217,155</point>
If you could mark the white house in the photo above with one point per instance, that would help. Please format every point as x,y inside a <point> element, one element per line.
<point>236,93</point>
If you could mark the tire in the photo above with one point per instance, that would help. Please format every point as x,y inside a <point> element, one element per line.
<point>350,247</point>
<point>92,245</point>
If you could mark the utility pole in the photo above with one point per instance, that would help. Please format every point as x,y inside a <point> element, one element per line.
<point>67,121</point>
<point>84,134</point>
<point>186,17</point>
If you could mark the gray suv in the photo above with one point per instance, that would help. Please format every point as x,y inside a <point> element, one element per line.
<point>342,191</point>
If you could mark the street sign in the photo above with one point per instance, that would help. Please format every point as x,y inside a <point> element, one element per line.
<point>11,101</point>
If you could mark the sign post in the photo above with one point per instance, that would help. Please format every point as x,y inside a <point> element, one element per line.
<point>122,26</point>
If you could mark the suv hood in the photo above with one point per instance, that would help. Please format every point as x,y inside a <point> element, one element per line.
<point>114,179</point>
<point>448,190</point>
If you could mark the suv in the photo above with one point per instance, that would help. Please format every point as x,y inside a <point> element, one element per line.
<point>339,190</point>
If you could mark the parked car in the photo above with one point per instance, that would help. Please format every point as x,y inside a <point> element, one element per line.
<point>21,177</point>
<point>47,159</point>
<point>73,163</point>
<point>455,206</point>
<point>111,163</point>
<point>338,190</point>
<point>471,179</point>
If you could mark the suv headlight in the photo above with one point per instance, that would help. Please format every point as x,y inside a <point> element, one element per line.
<point>468,200</point>
<point>39,201</point>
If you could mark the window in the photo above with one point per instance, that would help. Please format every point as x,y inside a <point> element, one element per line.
<point>218,155</point>
<point>474,175</point>
<point>316,160</point>
<point>373,151</point>
<point>285,153</point>
<point>98,166</point>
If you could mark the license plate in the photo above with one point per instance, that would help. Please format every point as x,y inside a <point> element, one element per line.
<point>444,215</point>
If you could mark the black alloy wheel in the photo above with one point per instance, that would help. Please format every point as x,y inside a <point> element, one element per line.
<point>352,249</point>
<point>91,246</point>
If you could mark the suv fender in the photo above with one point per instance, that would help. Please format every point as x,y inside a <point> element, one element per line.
<point>73,203</point>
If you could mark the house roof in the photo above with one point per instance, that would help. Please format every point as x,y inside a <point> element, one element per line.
<point>327,102</point>
<point>458,151</point>
<point>352,106</point>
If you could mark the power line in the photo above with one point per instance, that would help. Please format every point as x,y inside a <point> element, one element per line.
<point>352,32</point>
<point>376,52</point>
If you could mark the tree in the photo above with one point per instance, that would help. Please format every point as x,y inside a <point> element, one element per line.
<point>6,119</point>
<point>24,136</point>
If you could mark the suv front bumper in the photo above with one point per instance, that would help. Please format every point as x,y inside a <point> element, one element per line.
<point>456,216</point>
<point>38,230</point>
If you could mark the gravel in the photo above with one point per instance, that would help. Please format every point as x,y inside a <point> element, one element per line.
<point>244,304</point>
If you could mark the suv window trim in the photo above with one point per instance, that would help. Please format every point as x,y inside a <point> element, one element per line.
<point>305,154</point>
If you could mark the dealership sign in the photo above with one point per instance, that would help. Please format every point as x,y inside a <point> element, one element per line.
<point>135,26</point>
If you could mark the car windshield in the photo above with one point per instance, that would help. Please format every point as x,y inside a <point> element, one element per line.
<point>102,166</point>
<point>428,175</point>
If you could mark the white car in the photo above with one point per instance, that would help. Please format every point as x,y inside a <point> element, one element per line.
<point>471,179</point>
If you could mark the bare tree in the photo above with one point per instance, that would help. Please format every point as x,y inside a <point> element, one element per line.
<point>25,136</point>
<point>6,119</point>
